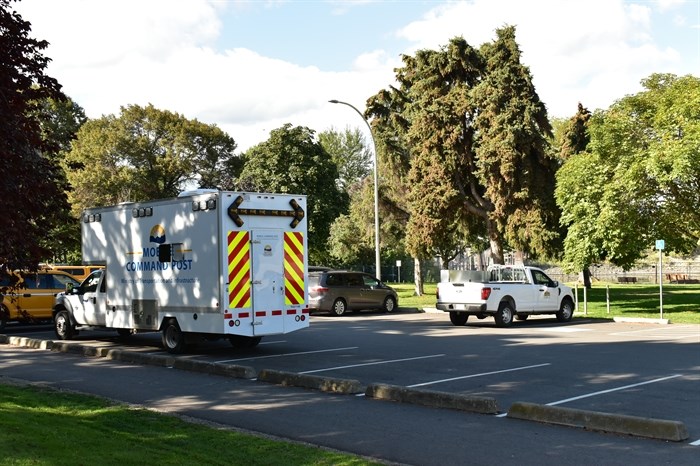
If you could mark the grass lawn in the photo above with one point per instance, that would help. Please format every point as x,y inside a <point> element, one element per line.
<point>46,427</point>
<point>681,302</point>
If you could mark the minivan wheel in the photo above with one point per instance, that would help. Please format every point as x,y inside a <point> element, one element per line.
<point>389,304</point>
<point>339,307</point>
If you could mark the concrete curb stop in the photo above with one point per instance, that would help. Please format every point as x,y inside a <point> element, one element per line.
<point>239,372</point>
<point>315,382</point>
<point>435,399</point>
<point>660,429</point>
<point>26,342</point>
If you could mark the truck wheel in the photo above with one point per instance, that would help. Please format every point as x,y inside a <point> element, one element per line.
<point>124,332</point>
<point>389,304</point>
<point>240,341</point>
<point>504,315</point>
<point>4,317</point>
<point>566,312</point>
<point>459,318</point>
<point>64,328</point>
<point>173,338</point>
<point>339,307</point>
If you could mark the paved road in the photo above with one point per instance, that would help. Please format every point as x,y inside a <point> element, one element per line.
<point>637,369</point>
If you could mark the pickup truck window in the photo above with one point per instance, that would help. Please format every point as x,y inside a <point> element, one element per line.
<point>541,279</point>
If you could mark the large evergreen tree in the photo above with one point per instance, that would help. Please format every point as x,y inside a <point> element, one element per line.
<point>470,135</point>
<point>513,162</point>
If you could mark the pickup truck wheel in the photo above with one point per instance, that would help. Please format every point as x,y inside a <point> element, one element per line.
<point>63,326</point>
<point>339,307</point>
<point>389,304</point>
<point>173,338</point>
<point>504,315</point>
<point>566,312</point>
<point>458,318</point>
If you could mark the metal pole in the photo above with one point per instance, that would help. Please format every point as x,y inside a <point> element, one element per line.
<point>378,264</point>
<point>661,283</point>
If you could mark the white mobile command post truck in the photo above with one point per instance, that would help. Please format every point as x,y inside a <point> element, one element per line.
<point>206,265</point>
<point>504,292</point>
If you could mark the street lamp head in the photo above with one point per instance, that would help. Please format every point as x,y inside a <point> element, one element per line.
<point>333,101</point>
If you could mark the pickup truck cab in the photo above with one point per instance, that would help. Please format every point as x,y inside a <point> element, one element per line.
<point>504,292</point>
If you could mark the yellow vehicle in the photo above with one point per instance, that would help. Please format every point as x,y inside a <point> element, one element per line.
<point>33,298</point>
<point>79,272</point>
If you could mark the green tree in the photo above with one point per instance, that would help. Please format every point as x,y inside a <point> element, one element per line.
<point>32,191</point>
<point>639,179</point>
<point>292,161</point>
<point>146,153</point>
<point>349,152</point>
<point>514,165</point>
<point>60,121</point>
<point>471,136</point>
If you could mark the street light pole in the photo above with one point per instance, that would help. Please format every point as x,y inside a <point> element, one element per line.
<point>378,267</point>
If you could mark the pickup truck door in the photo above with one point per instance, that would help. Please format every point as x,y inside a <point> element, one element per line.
<point>89,307</point>
<point>547,297</point>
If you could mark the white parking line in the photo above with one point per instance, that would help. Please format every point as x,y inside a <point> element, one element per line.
<point>695,443</point>
<point>602,392</point>
<point>288,354</point>
<point>478,375</point>
<point>372,363</point>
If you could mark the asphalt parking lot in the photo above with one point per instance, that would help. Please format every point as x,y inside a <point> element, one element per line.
<point>627,369</point>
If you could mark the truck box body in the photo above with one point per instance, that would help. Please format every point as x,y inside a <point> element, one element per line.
<point>219,263</point>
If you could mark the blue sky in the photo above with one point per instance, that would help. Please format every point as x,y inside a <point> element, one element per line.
<point>252,66</point>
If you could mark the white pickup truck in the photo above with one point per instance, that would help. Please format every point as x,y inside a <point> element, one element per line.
<point>504,292</point>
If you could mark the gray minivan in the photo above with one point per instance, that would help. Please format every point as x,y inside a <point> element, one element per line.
<point>339,291</point>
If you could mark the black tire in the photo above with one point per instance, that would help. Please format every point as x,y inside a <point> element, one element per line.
<point>522,316</point>
<point>4,317</point>
<point>504,315</point>
<point>389,304</point>
<point>459,318</point>
<point>173,338</point>
<point>62,325</point>
<point>566,312</point>
<point>339,307</point>
<point>124,332</point>
<point>241,341</point>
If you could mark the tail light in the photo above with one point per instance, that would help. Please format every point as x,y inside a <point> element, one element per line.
<point>485,293</point>
<point>318,289</point>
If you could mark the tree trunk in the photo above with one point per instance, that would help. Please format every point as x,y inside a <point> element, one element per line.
<point>418,276</point>
<point>495,242</point>
<point>587,277</point>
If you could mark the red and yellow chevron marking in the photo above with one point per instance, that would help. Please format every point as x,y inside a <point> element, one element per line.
<point>238,269</point>
<point>294,267</point>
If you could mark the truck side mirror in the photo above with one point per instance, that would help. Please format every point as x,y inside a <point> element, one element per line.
<point>164,253</point>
